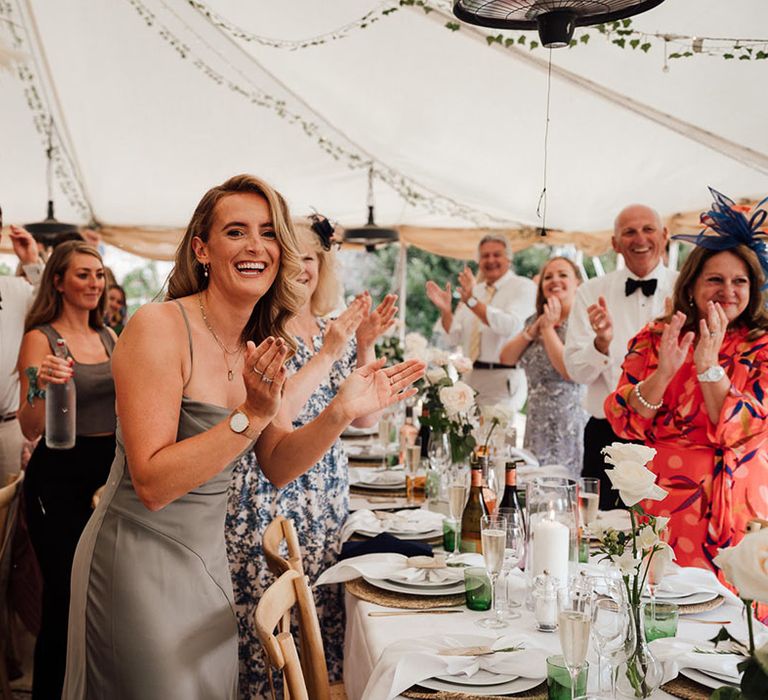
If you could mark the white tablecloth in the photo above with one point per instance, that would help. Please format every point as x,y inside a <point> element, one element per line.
<point>367,637</point>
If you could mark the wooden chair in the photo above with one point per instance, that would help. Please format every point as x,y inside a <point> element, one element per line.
<point>291,593</point>
<point>9,501</point>
<point>278,531</point>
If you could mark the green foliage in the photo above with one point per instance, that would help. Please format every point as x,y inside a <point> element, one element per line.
<point>5,269</point>
<point>142,285</point>
<point>453,26</point>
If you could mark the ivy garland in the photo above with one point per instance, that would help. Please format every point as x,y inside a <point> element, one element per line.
<point>32,86</point>
<point>355,157</point>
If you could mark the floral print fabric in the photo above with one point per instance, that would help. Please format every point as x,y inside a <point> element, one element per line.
<point>716,475</point>
<point>317,503</point>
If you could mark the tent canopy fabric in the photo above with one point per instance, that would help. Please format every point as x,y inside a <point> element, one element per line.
<point>155,101</point>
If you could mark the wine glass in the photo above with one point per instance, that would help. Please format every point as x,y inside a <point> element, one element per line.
<point>513,553</point>
<point>610,626</point>
<point>589,501</point>
<point>458,492</point>
<point>574,621</point>
<point>439,450</point>
<point>493,531</point>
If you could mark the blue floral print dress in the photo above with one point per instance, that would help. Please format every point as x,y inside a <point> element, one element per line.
<point>317,503</point>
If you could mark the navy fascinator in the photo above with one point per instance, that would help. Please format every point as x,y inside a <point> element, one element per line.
<point>324,230</point>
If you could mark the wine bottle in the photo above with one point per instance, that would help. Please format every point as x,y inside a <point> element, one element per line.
<point>424,431</point>
<point>471,537</point>
<point>408,433</point>
<point>60,408</point>
<point>510,499</point>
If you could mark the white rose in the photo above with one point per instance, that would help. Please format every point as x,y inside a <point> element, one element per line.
<point>459,398</point>
<point>661,523</point>
<point>461,363</point>
<point>619,452</point>
<point>647,538</point>
<point>634,483</point>
<point>435,375</point>
<point>746,565</point>
<point>416,343</point>
<point>627,563</point>
<point>439,357</point>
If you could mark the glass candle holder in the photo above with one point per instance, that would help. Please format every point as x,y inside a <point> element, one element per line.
<point>544,596</point>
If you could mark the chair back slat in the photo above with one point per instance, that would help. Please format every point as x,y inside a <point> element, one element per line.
<point>278,531</point>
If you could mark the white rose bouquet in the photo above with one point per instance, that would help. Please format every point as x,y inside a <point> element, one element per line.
<point>634,552</point>
<point>745,565</point>
<point>449,401</point>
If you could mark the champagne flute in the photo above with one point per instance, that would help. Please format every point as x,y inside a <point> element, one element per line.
<point>458,493</point>
<point>589,501</point>
<point>610,623</point>
<point>385,433</point>
<point>493,530</point>
<point>574,621</point>
<point>439,450</point>
<point>513,553</point>
<point>415,482</point>
<point>491,491</point>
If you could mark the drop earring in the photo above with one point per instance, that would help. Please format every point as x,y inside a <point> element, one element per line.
<point>206,266</point>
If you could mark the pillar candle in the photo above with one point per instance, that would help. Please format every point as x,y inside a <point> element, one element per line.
<point>551,542</point>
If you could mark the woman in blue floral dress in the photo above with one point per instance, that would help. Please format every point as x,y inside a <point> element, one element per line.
<point>318,501</point>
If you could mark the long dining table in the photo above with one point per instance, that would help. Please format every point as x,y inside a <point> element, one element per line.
<point>367,637</point>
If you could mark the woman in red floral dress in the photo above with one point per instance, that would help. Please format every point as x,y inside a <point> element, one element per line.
<point>694,388</point>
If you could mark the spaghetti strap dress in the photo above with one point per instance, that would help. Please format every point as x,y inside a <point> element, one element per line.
<point>151,612</point>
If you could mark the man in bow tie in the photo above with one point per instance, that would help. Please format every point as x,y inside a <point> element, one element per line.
<point>607,312</point>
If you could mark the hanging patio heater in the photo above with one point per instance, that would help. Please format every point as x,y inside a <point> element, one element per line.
<point>49,229</point>
<point>555,20</point>
<point>370,235</point>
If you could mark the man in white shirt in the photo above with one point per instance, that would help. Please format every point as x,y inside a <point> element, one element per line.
<point>16,296</point>
<point>491,311</point>
<point>607,313</point>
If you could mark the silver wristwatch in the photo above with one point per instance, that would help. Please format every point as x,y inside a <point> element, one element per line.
<point>471,302</point>
<point>713,374</point>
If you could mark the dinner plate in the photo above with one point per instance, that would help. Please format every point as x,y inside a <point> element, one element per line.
<point>378,487</point>
<point>481,678</point>
<point>397,587</point>
<point>681,589</point>
<point>518,685</point>
<point>705,679</point>
<point>426,584</point>
<point>428,535</point>
<point>352,431</point>
<point>365,450</point>
<point>693,599</point>
<point>390,480</point>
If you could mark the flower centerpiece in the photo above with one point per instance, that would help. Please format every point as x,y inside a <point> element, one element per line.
<point>634,551</point>
<point>449,401</point>
<point>496,426</point>
<point>745,565</point>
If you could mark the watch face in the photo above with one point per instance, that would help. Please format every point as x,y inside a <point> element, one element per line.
<point>713,374</point>
<point>471,302</point>
<point>239,422</point>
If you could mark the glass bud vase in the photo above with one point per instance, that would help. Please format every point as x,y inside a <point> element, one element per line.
<point>641,673</point>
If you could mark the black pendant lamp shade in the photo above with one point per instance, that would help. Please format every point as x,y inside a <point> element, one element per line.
<point>555,20</point>
<point>370,235</point>
<point>49,229</point>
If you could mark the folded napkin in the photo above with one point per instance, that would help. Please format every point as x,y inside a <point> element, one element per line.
<point>394,566</point>
<point>407,662</point>
<point>383,544</point>
<point>380,477</point>
<point>676,653</point>
<point>365,450</point>
<point>617,519</point>
<point>401,521</point>
<point>703,579</point>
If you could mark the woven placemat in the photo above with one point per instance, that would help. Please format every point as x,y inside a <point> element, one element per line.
<point>389,599</point>
<point>682,687</point>
<point>694,608</point>
<point>360,491</point>
<point>537,693</point>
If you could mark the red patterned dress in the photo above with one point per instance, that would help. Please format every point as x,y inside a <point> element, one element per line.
<point>716,475</point>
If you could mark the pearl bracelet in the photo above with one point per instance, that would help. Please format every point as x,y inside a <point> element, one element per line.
<point>645,403</point>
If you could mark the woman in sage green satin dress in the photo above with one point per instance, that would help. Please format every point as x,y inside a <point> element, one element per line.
<point>198,380</point>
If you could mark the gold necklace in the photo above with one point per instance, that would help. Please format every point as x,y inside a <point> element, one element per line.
<point>238,351</point>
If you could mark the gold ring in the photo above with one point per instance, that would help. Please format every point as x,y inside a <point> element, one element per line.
<point>256,371</point>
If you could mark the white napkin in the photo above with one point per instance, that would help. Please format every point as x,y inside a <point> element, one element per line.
<point>451,574</point>
<point>409,661</point>
<point>676,653</point>
<point>383,477</point>
<point>378,566</point>
<point>365,449</point>
<point>618,519</point>
<point>402,521</point>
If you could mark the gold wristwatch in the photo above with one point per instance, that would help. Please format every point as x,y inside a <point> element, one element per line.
<point>240,423</point>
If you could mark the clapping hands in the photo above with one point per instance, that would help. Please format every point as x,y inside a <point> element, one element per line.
<point>673,350</point>
<point>602,324</point>
<point>375,323</point>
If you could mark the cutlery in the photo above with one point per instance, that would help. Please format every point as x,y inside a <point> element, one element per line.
<point>685,618</point>
<point>429,611</point>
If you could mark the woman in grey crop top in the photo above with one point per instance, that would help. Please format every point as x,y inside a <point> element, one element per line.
<point>60,484</point>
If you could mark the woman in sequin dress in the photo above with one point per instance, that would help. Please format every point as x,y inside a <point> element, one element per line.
<point>554,427</point>
<point>317,502</point>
